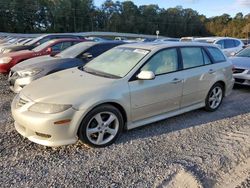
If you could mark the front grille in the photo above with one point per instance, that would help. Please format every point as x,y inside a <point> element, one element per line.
<point>237,80</point>
<point>12,82</point>
<point>237,71</point>
<point>21,102</point>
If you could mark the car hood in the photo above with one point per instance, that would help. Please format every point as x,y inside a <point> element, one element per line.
<point>67,87</point>
<point>18,53</point>
<point>31,63</point>
<point>47,62</point>
<point>241,62</point>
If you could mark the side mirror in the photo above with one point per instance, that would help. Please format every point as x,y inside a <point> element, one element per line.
<point>87,55</point>
<point>49,50</point>
<point>146,75</point>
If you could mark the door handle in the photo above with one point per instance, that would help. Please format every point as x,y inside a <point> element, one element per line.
<point>176,80</point>
<point>211,71</point>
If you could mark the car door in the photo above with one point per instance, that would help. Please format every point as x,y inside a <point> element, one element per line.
<point>197,73</point>
<point>162,94</point>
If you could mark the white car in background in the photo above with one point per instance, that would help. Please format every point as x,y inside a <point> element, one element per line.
<point>228,45</point>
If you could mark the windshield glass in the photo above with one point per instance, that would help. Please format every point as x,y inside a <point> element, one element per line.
<point>42,46</point>
<point>34,40</point>
<point>244,53</point>
<point>74,51</point>
<point>117,61</point>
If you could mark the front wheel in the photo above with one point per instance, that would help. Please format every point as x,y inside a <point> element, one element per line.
<point>214,97</point>
<point>101,126</point>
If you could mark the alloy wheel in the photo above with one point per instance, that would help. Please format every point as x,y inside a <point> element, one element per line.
<point>215,97</point>
<point>102,128</point>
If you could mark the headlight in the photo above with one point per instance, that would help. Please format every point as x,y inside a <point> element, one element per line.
<point>6,51</point>
<point>30,72</point>
<point>46,108</point>
<point>5,60</point>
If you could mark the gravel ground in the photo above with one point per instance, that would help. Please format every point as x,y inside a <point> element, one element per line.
<point>196,149</point>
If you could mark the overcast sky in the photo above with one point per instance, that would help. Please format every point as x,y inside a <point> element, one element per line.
<point>207,7</point>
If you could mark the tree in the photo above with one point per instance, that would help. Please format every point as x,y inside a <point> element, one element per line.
<point>29,16</point>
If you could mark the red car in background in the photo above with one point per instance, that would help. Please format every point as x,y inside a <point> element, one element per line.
<point>51,47</point>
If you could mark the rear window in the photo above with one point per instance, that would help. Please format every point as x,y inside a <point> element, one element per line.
<point>237,43</point>
<point>229,43</point>
<point>216,54</point>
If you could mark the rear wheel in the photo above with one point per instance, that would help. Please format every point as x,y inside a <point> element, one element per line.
<point>101,127</point>
<point>214,97</point>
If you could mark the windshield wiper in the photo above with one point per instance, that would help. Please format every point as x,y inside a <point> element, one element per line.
<point>98,73</point>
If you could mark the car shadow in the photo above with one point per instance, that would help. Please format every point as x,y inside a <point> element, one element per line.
<point>238,103</point>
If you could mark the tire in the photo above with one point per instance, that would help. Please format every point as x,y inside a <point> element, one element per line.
<point>214,97</point>
<point>101,126</point>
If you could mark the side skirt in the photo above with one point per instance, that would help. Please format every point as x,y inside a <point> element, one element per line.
<point>146,121</point>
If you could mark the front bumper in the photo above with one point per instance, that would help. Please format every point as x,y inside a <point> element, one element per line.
<point>242,78</point>
<point>41,129</point>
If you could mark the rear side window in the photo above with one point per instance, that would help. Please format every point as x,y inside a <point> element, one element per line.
<point>206,59</point>
<point>216,54</point>
<point>192,57</point>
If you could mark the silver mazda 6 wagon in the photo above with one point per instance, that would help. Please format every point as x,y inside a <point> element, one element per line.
<point>126,87</point>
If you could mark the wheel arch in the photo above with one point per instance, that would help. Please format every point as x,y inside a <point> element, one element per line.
<point>223,85</point>
<point>115,104</point>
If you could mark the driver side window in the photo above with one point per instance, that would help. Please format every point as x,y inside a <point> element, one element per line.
<point>56,47</point>
<point>163,62</point>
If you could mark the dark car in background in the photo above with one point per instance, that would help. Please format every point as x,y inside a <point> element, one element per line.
<point>51,47</point>
<point>78,55</point>
<point>38,41</point>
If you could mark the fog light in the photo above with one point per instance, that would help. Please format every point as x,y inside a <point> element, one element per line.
<point>43,135</point>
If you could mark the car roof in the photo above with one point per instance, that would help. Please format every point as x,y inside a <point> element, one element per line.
<point>93,43</point>
<point>64,40</point>
<point>160,45</point>
<point>214,38</point>
<point>59,34</point>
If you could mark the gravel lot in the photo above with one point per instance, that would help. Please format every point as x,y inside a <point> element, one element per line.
<point>197,149</point>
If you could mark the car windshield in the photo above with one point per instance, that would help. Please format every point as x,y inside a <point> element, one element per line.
<point>42,46</point>
<point>34,40</point>
<point>116,62</point>
<point>244,53</point>
<point>74,51</point>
